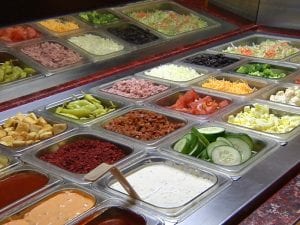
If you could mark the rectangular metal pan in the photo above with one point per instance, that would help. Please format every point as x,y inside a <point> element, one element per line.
<point>33,157</point>
<point>261,148</point>
<point>256,39</point>
<point>171,214</point>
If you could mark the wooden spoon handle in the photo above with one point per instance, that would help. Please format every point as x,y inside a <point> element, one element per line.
<point>103,168</point>
<point>98,172</point>
<point>124,182</point>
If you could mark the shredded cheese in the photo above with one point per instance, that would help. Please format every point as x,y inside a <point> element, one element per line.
<point>59,25</point>
<point>236,87</point>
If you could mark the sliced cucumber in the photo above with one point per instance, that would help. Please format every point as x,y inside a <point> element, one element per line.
<point>242,146</point>
<point>188,136</point>
<point>212,145</point>
<point>203,155</point>
<point>193,140</point>
<point>225,141</point>
<point>245,137</point>
<point>211,133</point>
<point>182,146</point>
<point>196,150</point>
<point>226,156</point>
<point>201,138</point>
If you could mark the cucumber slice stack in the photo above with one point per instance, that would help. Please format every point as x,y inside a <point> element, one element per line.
<point>212,133</point>
<point>215,145</point>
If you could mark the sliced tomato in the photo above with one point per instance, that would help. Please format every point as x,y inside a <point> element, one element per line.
<point>195,104</point>
<point>199,112</point>
<point>16,35</point>
<point>211,108</point>
<point>224,103</point>
<point>207,98</point>
<point>32,33</point>
<point>6,34</point>
<point>180,103</point>
<point>190,102</point>
<point>185,110</point>
<point>190,96</point>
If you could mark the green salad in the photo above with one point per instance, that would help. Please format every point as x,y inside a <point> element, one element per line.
<point>169,22</point>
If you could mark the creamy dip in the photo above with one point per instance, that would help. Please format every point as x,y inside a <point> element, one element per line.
<point>165,186</point>
<point>57,210</point>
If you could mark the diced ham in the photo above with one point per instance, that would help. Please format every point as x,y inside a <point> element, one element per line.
<point>51,54</point>
<point>136,88</point>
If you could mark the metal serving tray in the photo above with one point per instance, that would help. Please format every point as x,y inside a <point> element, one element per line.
<point>94,57</point>
<point>174,214</point>
<point>33,156</point>
<point>124,25</point>
<point>168,5</point>
<point>202,73</point>
<point>82,26</point>
<point>7,55</point>
<point>262,147</point>
<point>274,109</point>
<point>47,70</point>
<point>52,181</point>
<point>102,10</point>
<point>183,60</point>
<point>294,59</point>
<point>10,44</point>
<point>19,211</point>
<point>280,87</point>
<point>287,69</point>
<point>292,79</point>
<point>105,100</point>
<point>110,203</point>
<point>256,39</point>
<point>99,127</point>
<point>12,161</point>
<point>17,151</point>
<point>100,90</point>
<point>164,101</point>
<point>259,85</point>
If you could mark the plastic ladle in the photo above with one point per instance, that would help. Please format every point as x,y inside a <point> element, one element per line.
<point>100,170</point>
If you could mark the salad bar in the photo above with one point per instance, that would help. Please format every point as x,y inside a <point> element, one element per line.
<point>191,134</point>
<point>65,46</point>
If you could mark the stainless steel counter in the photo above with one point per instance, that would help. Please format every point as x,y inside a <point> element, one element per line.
<point>241,195</point>
<point>238,196</point>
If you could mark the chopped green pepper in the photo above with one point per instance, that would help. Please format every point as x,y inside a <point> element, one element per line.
<point>261,70</point>
<point>9,72</point>
<point>98,18</point>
